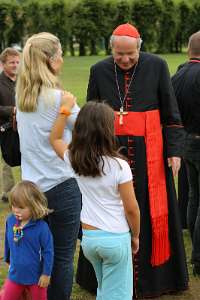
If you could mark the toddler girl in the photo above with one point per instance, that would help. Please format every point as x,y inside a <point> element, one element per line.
<point>28,244</point>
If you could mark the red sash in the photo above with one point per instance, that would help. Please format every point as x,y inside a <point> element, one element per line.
<point>147,124</point>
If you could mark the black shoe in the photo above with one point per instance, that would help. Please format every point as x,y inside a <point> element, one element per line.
<point>4,199</point>
<point>196,270</point>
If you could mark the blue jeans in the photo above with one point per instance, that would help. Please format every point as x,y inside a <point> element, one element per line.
<point>110,254</point>
<point>65,200</point>
<point>193,211</point>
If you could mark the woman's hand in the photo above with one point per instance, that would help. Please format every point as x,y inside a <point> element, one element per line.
<point>68,100</point>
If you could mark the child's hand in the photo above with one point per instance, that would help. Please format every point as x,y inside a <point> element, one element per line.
<point>44,281</point>
<point>135,244</point>
<point>68,100</point>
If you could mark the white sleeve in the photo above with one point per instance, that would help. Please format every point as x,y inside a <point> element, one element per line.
<point>124,174</point>
<point>72,118</point>
<point>66,158</point>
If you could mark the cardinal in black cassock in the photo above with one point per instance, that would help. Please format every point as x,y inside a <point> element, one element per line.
<point>148,126</point>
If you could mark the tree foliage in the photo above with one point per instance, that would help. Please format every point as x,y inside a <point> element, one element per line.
<point>146,16</point>
<point>86,25</point>
<point>167,27</point>
<point>183,25</point>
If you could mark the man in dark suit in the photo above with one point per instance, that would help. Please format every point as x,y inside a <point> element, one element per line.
<point>9,61</point>
<point>186,83</point>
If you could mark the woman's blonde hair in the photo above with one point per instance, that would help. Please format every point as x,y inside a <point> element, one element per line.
<point>35,71</point>
<point>27,194</point>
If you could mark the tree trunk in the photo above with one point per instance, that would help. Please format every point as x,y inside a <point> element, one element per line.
<point>107,45</point>
<point>71,46</point>
<point>93,48</point>
<point>82,51</point>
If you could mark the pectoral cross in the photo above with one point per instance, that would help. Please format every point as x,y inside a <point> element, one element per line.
<point>121,113</point>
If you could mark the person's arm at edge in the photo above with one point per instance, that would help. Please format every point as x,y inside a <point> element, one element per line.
<point>6,112</point>
<point>170,119</point>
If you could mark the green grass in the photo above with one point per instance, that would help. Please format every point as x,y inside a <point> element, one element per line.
<point>74,78</point>
<point>75,74</point>
<point>174,60</point>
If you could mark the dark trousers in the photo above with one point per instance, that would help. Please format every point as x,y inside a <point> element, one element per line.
<point>183,191</point>
<point>64,222</point>
<point>193,212</point>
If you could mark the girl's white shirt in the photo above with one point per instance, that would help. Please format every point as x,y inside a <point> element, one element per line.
<point>102,206</point>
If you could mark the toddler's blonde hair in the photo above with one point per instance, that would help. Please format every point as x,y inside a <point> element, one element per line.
<point>27,194</point>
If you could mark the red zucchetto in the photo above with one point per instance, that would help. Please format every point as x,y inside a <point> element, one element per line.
<point>126,30</point>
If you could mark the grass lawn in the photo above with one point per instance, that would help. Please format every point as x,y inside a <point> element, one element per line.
<point>74,78</point>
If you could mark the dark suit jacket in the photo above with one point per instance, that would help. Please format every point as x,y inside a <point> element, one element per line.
<point>7,98</point>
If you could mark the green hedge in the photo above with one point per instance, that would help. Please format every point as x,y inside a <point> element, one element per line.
<point>84,26</point>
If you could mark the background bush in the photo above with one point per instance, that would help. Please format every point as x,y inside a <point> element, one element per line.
<point>84,26</point>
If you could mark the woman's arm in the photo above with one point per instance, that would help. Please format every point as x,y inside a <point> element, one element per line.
<point>56,135</point>
<point>132,211</point>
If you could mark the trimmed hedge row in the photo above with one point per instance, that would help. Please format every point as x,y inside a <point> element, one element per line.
<point>84,26</point>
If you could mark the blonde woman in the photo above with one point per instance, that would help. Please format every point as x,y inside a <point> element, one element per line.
<point>39,97</point>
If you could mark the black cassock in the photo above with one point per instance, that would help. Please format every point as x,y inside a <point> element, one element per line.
<point>150,89</point>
